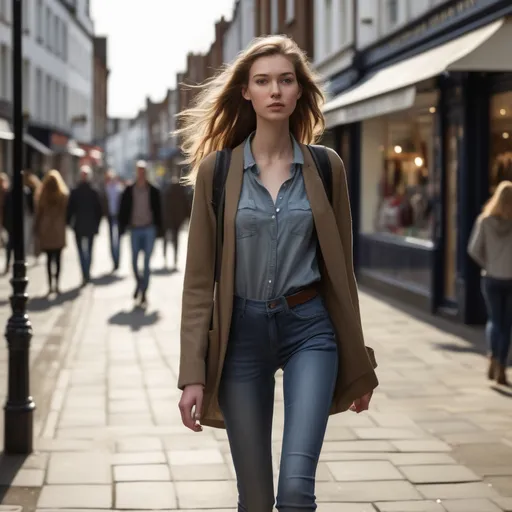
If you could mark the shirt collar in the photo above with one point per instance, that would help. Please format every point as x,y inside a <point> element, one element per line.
<point>250,162</point>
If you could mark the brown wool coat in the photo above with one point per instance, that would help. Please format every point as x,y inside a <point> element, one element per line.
<point>50,225</point>
<point>203,350</point>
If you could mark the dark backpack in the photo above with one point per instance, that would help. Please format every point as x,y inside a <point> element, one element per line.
<point>222,162</point>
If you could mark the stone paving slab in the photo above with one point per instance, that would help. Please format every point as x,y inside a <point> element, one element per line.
<point>114,440</point>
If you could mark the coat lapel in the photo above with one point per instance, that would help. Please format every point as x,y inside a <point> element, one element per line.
<point>226,287</point>
<point>325,224</point>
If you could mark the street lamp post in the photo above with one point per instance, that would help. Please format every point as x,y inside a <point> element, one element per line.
<point>19,407</point>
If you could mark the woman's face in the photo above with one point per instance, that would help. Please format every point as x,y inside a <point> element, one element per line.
<point>272,88</point>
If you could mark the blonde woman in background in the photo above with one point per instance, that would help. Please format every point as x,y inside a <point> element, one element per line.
<point>491,248</point>
<point>287,296</point>
<point>50,224</point>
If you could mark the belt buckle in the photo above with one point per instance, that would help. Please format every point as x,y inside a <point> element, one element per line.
<point>272,304</point>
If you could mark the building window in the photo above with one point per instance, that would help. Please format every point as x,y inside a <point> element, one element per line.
<point>290,10</point>
<point>48,34</point>
<point>27,7</point>
<point>274,16</point>
<point>393,12</point>
<point>4,73</point>
<point>40,20</point>
<point>58,103</point>
<point>65,105</point>
<point>5,11</point>
<point>64,41</point>
<point>48,102</point>
<point>56,34</point>
<point>26,85</point>
<point>39,95</point>
<point>328,27</point>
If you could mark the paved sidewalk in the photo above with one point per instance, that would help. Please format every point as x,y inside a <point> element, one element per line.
<point>438,437</point>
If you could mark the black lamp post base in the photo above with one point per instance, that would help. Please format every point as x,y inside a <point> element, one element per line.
<point>19,428</point>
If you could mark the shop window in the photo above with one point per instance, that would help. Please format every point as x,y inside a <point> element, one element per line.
<point>501,140</point>
<point>393,12</point>
<point>398,182</point>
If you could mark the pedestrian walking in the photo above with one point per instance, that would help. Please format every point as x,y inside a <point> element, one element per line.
<point>50,224</point>
<point>112,192</point>
<point>8,221</point>
<point>273,287</point>
<point>490,246</point>
<point>84,216</point>
<point>32,184</point>
<point>175,205</point>
<point>140,211</point>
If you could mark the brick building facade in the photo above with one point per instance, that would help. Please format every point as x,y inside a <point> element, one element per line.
<point>298,24</point>
<point>100,85</point>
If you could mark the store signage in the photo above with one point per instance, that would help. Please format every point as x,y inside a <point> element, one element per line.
<point>440,18</point>
<point>394,101</point>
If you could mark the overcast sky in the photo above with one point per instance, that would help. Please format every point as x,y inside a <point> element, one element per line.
<point>148,41</point>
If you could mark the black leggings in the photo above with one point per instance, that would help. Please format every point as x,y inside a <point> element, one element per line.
<point>53,256</point>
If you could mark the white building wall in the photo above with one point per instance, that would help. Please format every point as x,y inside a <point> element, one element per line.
<point>247,8</point>
<point>58,50</point>
<point>232,36</point>
<point>333,35</point>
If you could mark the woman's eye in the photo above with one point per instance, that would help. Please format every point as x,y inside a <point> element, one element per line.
<point>260,81</point>
<point>288,80</point>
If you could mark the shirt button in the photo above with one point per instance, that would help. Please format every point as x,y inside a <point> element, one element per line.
<point>270,281</point>
<point>273,216</point>
<point>277,210</point>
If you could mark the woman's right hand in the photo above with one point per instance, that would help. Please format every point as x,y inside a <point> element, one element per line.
<point>190,405</point>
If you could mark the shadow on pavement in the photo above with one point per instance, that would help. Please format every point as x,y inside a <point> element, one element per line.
<point>473,335</point>
<point>9,467</point>
<point>166,271</point>
<point>106,279</point>
<point>136,319</point>
<point>506,392</point>
<point>46,302</point>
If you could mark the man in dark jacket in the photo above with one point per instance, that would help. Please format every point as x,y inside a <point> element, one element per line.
<point>84,216</point>
<point>176,210</point>
<point>141,212</point>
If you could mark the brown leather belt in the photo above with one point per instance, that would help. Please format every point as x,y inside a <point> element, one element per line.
<point>297,298</point>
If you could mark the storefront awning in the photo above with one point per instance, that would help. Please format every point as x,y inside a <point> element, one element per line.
<point>5,130</point>
<point>393,88</point>
<point>35,144</point>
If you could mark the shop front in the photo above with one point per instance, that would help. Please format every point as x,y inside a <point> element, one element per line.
<point>428,138</point>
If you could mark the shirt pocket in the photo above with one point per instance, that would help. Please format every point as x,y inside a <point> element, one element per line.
<point>300,218</point>
<point>246,218</point>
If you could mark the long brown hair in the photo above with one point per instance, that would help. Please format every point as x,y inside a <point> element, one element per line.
<point>221,118</point>
<point>500,204</point>
<point>53,191</point>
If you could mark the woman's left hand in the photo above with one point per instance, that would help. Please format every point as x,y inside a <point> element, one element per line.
<point>362,404</point>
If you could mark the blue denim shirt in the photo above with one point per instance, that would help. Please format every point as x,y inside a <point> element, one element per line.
<point>276,244</point>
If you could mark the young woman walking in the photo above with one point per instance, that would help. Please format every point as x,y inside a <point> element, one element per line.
<point>491,248</point>
<point>50,224</point>
<point>286,297</point>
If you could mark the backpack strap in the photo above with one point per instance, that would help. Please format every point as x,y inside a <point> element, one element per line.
<point>323,164</point>
<point>220,173</point>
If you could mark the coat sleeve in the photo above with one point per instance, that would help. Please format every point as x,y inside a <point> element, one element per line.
<point>476,246</point>
<point>197,301</point>
<point>341,207</point>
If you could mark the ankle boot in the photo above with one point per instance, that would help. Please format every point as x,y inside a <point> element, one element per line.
<point>501,375</point>
<point>492,369</point>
